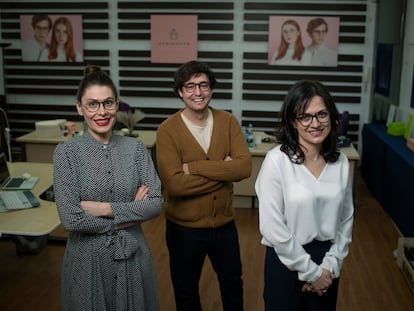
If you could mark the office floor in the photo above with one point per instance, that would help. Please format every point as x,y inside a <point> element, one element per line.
<point>370,280</point>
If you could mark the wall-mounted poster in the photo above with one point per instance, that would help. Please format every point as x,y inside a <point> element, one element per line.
<point>412,91</point>
<point>173,38</point>
<point>51,38</point>
<point>303,40</point>
<point>383,69</point>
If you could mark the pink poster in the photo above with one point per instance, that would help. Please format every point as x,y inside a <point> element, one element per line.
<point>303,40</point>
<point>51,38</point>
<point>173,38</point>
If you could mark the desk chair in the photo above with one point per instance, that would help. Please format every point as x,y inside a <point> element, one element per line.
<point>5,135</point>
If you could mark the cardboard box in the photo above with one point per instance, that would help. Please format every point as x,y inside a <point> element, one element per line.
<point>50,128</point>
<point>403,262</point>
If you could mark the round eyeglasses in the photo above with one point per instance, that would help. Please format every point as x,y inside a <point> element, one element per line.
<point>190,87</point>
<point>306,119</point>
<point>94,105</point>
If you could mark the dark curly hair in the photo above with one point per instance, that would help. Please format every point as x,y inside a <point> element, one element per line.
<point>189,69</point>
<point>296,102</point>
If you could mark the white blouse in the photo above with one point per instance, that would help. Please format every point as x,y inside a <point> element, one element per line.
<point>296,208</point>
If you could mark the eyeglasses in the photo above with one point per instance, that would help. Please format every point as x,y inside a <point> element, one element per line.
<point>190,87</point>
<point>306,119</point>
<point>39,28</point>
<point>94,105</point>
<point>320,32</point>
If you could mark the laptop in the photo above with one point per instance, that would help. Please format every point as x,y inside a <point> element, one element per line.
<point>8,182</point>
<point>15,200</point>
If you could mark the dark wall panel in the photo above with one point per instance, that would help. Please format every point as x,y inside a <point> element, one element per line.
<point>220,46</point>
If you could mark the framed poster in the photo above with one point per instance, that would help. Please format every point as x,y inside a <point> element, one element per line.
<point>51,38</point>
<point>383,69</point>
<point>173,38</point>
<point>303,40</point>
<point>412,90</point>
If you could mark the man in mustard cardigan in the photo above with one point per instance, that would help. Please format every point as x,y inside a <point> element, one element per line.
<point>201,151</point>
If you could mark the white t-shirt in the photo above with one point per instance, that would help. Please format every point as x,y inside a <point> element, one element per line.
<point>32,50</point>
<point>323,55</point>
<point>296,208</point>
<point>201,133</point>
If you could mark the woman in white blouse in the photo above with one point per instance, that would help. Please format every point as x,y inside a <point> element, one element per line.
<point>305,204</point>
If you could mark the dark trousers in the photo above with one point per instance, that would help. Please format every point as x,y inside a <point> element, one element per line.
<point>283,289</point>
<point>188,248</point>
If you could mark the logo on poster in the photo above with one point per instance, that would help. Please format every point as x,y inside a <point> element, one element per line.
<point>174,36</point>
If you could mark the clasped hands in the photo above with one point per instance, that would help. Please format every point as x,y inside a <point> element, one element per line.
<point>321,285</point>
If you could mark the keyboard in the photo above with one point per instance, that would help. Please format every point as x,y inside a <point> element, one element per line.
<point>16,181</point>
<point>15,200</point>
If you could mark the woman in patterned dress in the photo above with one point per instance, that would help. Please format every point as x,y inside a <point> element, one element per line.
<point>105,185</point>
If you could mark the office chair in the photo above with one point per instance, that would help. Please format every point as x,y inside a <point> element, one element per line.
<point>5,136</point>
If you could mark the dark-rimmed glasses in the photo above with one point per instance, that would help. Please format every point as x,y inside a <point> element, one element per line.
<point>94,105</point>
<point>306,119</point>
<point>190,87</point>
<point>40,28</point>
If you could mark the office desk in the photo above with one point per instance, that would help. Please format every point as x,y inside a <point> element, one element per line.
<point>245,188</point>
<point>40,149</point>
<point>388,169</point>
<point>36,221</point>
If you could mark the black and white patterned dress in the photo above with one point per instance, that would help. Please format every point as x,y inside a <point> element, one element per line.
<point>106,269</point>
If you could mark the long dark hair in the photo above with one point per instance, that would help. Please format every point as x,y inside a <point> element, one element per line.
<point>296,102</point>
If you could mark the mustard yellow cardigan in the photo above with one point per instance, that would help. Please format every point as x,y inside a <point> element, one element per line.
<point>203,198</point>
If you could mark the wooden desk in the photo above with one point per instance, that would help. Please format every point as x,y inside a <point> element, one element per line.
<point>40,149</point>
<point>245,188</point>
<point>36,221</point>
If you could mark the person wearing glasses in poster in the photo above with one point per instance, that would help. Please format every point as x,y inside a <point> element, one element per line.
<point>201,151</point>
<point>33,48</point>
<point>105,186</point>
<point>321,54</point>
<point>305,204</point>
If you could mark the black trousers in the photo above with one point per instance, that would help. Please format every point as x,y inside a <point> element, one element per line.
<point>188,249</point>
<point>283,289</point>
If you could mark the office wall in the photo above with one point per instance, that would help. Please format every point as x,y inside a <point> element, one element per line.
<point>233,38</point>
<point>390,33</point>
<point>407,71</point>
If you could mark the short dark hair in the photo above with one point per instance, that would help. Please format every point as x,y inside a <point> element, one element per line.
<point>316,22</point>
<point>41,17</point>
<point>189,69</point>
<point>296,102</point>
<point>94,75</point>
